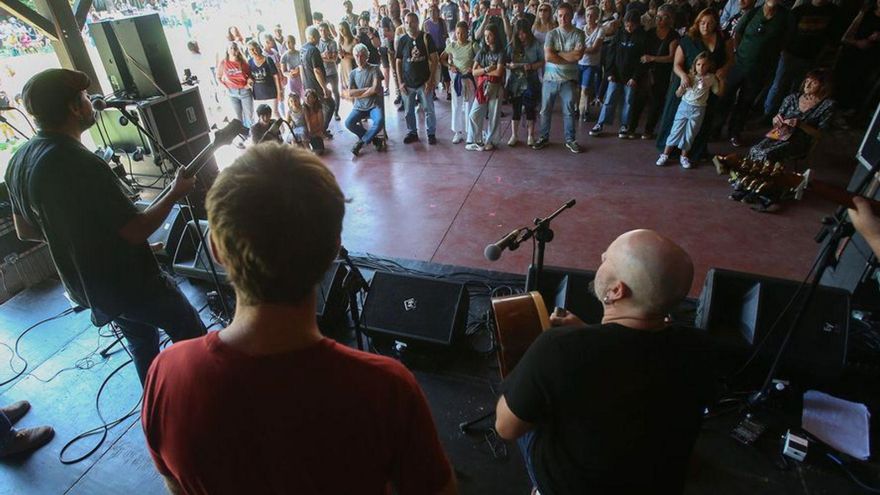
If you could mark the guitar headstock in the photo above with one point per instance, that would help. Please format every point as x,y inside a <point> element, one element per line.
<point>225,135</point>
<point>760,182</point>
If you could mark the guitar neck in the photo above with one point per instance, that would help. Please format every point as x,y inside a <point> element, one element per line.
<point>838,195</point>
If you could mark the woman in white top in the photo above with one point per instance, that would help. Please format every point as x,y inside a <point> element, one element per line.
<point>544,22</point>
<point>590,64</point>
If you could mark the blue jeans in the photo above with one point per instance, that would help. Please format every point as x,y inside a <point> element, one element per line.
<point>790,71</point>
<point>164,306</point>
<point>242,101</point>
<point>427,103</point>
<point>353,123</point>
<point>609,106</point>
<point>686,126</point>
<point>6,430</point>
<point>526,442</point>
<point>566,91</point>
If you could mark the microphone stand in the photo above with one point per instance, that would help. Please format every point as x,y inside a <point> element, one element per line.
<point>192,216</point>
<point>353,283</point>
<point>4,120</point>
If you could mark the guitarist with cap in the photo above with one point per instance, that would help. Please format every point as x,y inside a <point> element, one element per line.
<point>615,407</point>
<point>68,197</point>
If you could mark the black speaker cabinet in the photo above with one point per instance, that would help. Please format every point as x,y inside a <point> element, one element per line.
<point>169,232</point>
<point>739,309</point>
<point>570,289</point>
<point>181,126</point>
<point>135,54</point>
<point>415,309</point>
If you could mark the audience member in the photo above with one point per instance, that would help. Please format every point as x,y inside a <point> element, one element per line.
<point>266,79</point>
<point>300,399</point>
<point>728,25</point>
<point>459,58</point>
<point>800,120</point>
<point>330,56</point>
<point>315,113</point>
<point>661,46</point>
<point>815,25</point>
<point>489,70</point>
<point>234,74</point>
<point>347,63</point>
<point>525,57</point>
<point>642,384</point>
<point>590,65</point>
<point>365,88</point>
<point>417,59</point>
<point>861,42</point>
<point>290,66</point>
<point>692,110</point>
<point>314,75</point>
<point>260,131</point>
<point>436,29</point>
<point>544,22</point>
<point>296,118</point>
<point>703,36</point>
<point>629,46</point>
<point>450,15</point>
<point>563,49</point>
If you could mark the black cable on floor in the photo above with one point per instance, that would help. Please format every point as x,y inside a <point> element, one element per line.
<point>17,354</point>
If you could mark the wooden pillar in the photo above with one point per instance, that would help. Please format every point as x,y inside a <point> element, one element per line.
<point>70,47</point>
<point>302,16</point>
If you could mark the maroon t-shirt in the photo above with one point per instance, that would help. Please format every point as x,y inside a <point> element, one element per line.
<point>323,420</point>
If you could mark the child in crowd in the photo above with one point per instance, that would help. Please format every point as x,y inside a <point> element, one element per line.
<point>694,93</point>
<point>296,118</point>
<point>262,125</point>
<point>313,112</point>
<point>489,67</point>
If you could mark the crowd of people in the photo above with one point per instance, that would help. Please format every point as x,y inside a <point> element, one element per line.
<point>684,72</point>
<point>18,38</point>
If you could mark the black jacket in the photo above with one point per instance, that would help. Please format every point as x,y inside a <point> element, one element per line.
<point>626,51</point>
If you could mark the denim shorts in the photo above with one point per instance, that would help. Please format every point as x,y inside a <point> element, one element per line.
<point>591,76</point>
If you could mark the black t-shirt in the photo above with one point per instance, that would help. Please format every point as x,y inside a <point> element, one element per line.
<point>415,55</point>
<point>660,48</point>
<point>811,28</point>
<point>264,79</point>
<point>616,410</point>
<point>311,60</point>
<point>74,198</point>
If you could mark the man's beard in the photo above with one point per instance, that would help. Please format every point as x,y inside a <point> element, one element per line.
<point>86,121</point>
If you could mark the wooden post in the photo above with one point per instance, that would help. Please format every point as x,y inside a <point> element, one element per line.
<point>302,15</point>
<point>70,47</point>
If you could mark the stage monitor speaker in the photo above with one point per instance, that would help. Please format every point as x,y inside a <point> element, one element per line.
<point>191,256</point>
<point>570,289</point>
<point>417,310</point>
<point>739,309</point>
<point>136,56</point>
<point>169,233</point>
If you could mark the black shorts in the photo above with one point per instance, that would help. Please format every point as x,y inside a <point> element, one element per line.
<point>384,57</point>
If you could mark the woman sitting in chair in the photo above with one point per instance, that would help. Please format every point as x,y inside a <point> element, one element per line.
<point>801,118</point>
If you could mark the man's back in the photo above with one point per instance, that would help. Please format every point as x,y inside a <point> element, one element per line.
<point>615,408</point>
<point>325,419</point>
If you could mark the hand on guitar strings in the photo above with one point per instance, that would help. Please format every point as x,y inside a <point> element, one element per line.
<point>563,318</point>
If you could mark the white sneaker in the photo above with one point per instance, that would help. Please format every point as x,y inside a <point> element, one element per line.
<point>662,160</point>
<point>531,141</point>
<point>473,147</point>
<point>457,138</point>
<point>488,147</point>
<point>685,162</point>
<point>512,141</point>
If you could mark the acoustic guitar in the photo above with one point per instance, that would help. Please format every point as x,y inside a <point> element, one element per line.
<point>519,320</point>
<point>767,184</point>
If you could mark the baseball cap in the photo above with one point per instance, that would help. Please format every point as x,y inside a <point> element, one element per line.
<point>52,89</point>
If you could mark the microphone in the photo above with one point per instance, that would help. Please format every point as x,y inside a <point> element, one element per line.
<point>100,104</point>
<point>493,251</point>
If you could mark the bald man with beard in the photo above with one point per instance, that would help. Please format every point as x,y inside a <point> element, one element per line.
<point>615,407</point>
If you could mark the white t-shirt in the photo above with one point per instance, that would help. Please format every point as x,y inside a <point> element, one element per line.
<point>698,94</point>
<point>592,58</point>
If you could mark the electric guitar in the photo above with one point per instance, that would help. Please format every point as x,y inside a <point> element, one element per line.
<point>519,320</point>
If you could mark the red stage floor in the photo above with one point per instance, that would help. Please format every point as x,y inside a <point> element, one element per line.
<point>444,204</point>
